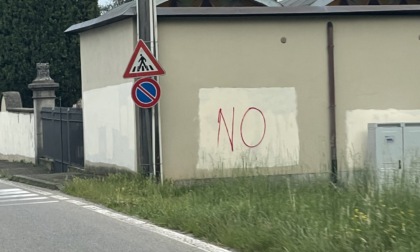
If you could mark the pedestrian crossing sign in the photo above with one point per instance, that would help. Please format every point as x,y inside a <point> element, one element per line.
<point>142,63</point>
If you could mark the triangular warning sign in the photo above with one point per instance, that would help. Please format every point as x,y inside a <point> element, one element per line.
<point>142,63</point>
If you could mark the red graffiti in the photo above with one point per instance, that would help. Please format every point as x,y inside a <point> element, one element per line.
<point>227,130</point>
<point>221,118</point>
<point>242,122</point>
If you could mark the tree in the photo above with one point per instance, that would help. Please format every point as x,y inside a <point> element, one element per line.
<point>32,31</point>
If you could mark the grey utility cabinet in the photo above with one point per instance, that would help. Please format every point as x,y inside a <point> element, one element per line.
<point>394,147</point>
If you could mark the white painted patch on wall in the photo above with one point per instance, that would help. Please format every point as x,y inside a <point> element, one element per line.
<point>17,135</point>
<point>247,128</point>
<point>357,128</point>
<point>109,126</point>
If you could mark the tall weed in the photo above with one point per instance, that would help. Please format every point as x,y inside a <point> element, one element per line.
<point>262,213</point>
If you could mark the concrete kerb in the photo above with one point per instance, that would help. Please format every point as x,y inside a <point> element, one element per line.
<point>54,181</point>
<point>37,182</point>
<point>37,175</point>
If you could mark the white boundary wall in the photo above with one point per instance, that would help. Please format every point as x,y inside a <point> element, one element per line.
<point>17,140</point>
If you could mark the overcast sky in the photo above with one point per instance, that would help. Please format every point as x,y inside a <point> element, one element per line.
<point>103,2</point>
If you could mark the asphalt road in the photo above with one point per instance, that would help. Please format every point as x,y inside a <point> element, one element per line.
<point>33,219</point>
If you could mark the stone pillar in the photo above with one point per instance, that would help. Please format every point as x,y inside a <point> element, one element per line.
<point>43,88</point>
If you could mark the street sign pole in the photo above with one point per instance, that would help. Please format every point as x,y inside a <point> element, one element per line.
<point>147,127</point>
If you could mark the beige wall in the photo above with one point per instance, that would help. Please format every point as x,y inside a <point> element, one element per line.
<point>376,59</point>
<point>377,78</point>
<point>375,68</point>
<point>105,52</point>
<point>241,53</point>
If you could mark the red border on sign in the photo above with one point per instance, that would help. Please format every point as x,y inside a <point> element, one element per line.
<point>154,99</point>
<point>159,70</point>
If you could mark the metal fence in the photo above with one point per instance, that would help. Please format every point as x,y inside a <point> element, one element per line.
<point>63,137</point>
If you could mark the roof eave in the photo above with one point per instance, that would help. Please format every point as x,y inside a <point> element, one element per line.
<point>280,11</point>
<point>249,11</point>
<point>117,14</point>
<point>85,26</point>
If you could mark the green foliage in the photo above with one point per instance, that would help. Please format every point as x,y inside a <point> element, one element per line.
<point>266,214</point>
<point>32,31</point>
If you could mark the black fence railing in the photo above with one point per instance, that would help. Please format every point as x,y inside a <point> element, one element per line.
<point>63,137</point>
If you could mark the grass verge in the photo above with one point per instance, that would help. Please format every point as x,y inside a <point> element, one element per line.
<point>265,214</point>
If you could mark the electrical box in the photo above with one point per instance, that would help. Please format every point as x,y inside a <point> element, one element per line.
<point>393,148</point>
<point>411,138</point>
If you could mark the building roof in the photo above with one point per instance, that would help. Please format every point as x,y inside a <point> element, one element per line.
<point>296,3</point>
<point>268,3</point>
<point>129,10</point>
<point>119,13</point>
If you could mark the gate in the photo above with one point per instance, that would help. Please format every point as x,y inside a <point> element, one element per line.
<point>63,137</point>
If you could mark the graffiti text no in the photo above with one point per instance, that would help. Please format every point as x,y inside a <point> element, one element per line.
<point>221,120</point>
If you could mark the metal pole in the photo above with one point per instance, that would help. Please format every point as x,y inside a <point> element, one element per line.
<point>61,136</point>
<point>68,139</point>
<point>144,117</point>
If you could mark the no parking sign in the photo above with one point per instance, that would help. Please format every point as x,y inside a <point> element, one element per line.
<point>145,93</point>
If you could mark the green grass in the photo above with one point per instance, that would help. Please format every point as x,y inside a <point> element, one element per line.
<point>270,214</point>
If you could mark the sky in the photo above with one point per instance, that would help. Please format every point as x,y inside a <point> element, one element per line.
<point>103,2</point>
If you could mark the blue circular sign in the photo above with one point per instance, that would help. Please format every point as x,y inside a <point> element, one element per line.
<point>145,93</point>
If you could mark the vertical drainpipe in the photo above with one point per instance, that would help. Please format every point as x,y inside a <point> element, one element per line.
<point>157,122</point>
<point>331,94</point>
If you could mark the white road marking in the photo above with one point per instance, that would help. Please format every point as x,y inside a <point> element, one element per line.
<point>188,240</point>
<point>13,192</point>
<point>30,203</point>
<point>10,190</point>
<point>18,196</point>
<point>22,199</point>
<point>23,186</point>
<point>59,197</point>
<point>42,193</point>
<point>76,202</point>
<point>158,230</point>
